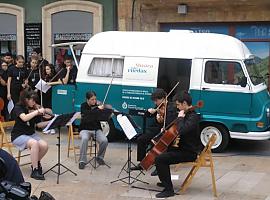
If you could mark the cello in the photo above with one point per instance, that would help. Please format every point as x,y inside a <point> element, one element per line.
<point>169,134</point>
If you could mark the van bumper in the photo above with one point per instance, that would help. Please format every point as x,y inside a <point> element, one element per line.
<point>251,135</point>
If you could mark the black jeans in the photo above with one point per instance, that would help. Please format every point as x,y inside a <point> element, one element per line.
<point>164,160</point>
<point>144,140</point>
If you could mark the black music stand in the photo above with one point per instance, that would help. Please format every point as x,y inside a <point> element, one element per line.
<point>57,122</point>
<point>96,115</point>
<point>128,163</point>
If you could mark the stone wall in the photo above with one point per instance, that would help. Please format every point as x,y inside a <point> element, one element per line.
<point>148,14</point>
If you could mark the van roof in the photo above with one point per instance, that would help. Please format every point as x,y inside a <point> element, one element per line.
<point>174,44</point>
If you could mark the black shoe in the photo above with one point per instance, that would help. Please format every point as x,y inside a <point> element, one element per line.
<point>159,184</point>
<point>36,175</point>
<point>137,167</point>
<point>81,165</point>
<point>154,173</point>
<point>165,193</point>
<point>39,167</point>
<point>100,161</point>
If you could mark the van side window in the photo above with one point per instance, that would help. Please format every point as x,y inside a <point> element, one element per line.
<point>104,67</point>
<point>223,72</point>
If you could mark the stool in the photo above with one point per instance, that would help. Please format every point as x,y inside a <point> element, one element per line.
<point>71,144</point>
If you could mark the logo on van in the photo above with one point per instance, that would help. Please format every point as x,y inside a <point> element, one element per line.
<point>124,105</point>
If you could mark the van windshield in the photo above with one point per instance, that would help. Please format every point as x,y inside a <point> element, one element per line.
<point>254,72</point>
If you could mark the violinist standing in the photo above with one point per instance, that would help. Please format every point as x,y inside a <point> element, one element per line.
<point>90,127</point>
<point>23,134</point>
<point>158,97</point>
<point>185,149</point>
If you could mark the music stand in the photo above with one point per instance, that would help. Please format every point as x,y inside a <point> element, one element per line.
<point>96,115</point>
<point>128,125</point>
<point>57,122</point>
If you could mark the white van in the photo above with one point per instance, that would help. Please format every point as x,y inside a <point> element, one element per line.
<point>216,69</point>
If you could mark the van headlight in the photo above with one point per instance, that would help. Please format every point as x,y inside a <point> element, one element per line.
<point>268,112</point>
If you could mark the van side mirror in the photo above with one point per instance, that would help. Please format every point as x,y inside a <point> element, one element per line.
<point>243,82</point>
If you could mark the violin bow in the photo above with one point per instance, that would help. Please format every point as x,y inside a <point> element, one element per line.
<point>56,75</point>
<point>107,92</point>
<point>168,95</point>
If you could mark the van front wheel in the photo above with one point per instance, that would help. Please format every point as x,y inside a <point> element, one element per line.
<point>221,133</point>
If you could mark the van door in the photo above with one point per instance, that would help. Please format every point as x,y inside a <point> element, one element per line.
<point>221,88</point>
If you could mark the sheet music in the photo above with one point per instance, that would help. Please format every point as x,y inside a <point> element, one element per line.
<point>50,123</point>
<point>77,115</point>
<point>10,106</point>
<point>43,86</point>
<point>126,125</point>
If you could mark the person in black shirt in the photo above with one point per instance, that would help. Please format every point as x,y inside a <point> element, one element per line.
<point>90,127</point>
<point>8,59</point>
<point>23,134</point>
<point>48,75</point>
<point>33,73</point>
<point>3,89</point>
<point>17,75</point>
<point>185,149</point>
<point>67,73</point>
<point>42,62</point>
<point>9,168</point>
<point>158,97</point>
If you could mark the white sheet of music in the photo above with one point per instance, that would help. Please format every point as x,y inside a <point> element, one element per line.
<point>126,125</point>
<point>42,85</point>
<point>50,123</point>
<point>77,115</point>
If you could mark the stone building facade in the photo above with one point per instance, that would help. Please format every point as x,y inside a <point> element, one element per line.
<point>28,24</point>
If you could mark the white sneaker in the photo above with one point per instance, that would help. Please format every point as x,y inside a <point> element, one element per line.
<point>52,131</point>
<point>46,132</point>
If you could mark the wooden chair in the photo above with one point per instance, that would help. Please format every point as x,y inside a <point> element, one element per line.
<point>72,135</point>
<point>203,160</point>
<point>4,142</point>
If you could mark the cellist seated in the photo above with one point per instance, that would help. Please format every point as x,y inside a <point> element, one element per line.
<point>144,140</point>
<point>185,149</point>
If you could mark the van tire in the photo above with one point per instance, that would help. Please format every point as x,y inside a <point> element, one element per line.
<point>222,136</point>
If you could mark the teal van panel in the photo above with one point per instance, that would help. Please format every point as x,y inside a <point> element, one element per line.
<point>120,97</point>
<point>236,122</point>
<point>63,99</point>
<point>223,102</point>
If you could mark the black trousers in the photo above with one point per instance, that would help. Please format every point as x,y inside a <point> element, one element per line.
<point>144,140</point>
<point>164,160</point>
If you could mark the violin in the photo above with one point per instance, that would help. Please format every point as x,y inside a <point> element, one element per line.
<point>161,113</point>
<point>46,115</point>
<point>168,136</point>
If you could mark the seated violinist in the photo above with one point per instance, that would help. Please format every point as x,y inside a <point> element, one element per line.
<point>23,134</point>
<point>90,127</point>
<point>158,97</point>
<point>184,149</point>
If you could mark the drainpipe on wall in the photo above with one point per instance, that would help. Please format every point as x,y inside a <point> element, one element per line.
<point>132,15</point>
<point>115,15</point>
